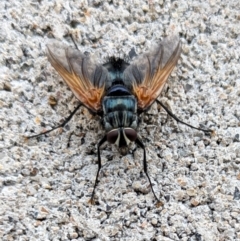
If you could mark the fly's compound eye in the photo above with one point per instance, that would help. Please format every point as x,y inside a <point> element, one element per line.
<point>112,136</point>
<point>131,134</point>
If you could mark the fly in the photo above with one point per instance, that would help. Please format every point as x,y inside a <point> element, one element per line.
<point>117,91</point>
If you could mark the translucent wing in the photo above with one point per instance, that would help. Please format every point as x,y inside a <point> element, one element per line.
<point>84,78</point>
<point>149,72</point>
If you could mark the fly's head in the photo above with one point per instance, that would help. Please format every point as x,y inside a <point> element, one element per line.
<point>122,136</point>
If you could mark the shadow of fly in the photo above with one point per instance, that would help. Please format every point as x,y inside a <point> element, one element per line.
<point>117,91</point>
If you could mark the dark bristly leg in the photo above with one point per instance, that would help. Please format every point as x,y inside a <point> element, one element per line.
<point>178,120</point>
<point>69,139</point>
<point>56,127</point>
<point>74,41</point>
<point>140,143</point>
<point>91,201</point>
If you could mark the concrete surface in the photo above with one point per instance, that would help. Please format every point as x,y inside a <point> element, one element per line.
<point>45,185</point>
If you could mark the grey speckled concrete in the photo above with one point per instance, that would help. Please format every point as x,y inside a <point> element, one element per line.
<point>45,186</point>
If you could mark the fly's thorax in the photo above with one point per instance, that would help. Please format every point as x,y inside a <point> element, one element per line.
<point>120,111</point>
<point>120,119</point>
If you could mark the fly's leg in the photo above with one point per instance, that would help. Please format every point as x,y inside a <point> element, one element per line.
<point>71,36</point>
<point>56,127</point>
<point>104,139</point>
<point>140,143</point>
<point>180,121</point>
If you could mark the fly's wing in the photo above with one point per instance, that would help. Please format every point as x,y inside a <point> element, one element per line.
<point>84,78</point>
<point>148,74</point>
